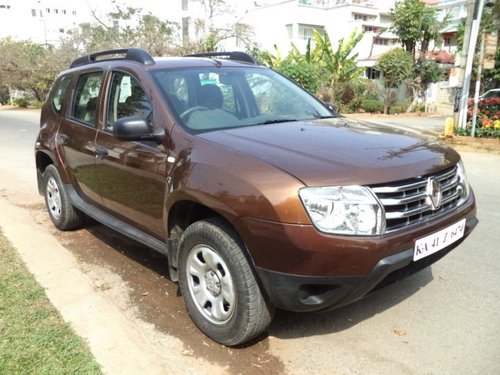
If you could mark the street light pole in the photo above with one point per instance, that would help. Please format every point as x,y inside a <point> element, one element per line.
<point>476,21</point>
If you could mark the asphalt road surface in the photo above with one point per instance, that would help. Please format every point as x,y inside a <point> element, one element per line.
<point>443,320</point>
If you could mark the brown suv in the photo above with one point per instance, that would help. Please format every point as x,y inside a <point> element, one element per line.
<point>258,194</point>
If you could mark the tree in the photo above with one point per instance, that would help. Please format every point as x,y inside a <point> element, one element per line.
<point>129,27</point>
<point>416,25</point>
<point>212,31</point>
<point>425,72</point>
<point>396,66</point>
<point>27,66</point>
<point>337,67</point>
<point>305,74</point>
<point>407,23</point>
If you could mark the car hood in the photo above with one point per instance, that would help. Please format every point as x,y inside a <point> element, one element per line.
<point>338,151</point>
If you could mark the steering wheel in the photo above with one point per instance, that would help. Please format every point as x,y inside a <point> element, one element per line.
<point>185,115</point>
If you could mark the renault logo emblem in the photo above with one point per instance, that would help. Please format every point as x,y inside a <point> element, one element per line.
<point>434,194</point>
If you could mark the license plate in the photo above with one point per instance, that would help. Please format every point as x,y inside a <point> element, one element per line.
<point>432,243</point>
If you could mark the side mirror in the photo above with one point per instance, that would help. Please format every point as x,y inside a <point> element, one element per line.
<point>136,129</point>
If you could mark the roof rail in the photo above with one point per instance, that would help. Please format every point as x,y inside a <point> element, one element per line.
<point>133,54</point>
<point>234,55</point>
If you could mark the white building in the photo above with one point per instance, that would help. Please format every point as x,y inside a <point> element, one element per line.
<point>41,21</point>
<point>46,21</point>
<point>454,11</point>
<point>293,21</point>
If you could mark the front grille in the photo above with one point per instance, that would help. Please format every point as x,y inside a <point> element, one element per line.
<point>405,201</point>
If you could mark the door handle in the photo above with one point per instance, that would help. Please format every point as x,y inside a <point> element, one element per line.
<point>101,152</point>
<point>63,138</point>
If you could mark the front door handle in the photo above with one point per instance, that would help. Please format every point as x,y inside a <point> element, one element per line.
<point>101,152</point>
<point>63,138</point>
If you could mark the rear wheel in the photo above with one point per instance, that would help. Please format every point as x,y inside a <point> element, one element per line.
<point>221,293</point>
<point>61,212</point>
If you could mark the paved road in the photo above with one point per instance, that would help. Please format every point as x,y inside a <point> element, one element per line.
<point>421,124</point>
<point>444,320</point>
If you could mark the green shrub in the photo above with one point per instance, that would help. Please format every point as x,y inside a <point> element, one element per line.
<point>304,74</point>
<point>4,95</point>
<point>21,102</point>
<point>419,107</point>
<point>396,109</point>
<point>372,105</point>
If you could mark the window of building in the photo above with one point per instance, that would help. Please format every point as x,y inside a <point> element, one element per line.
<point>370,28</point>
<point>185,30</point>
<point>362,17</point>
<point>56,11</point>
<point>47,10</point>
<point>447,41</point>
<point>289,31</point>
<point>74,13</point>
<point>372,73</point>
<point>381,41</point>
<point>184,4</point>
<point>33,12</point>
<point>306,32</point>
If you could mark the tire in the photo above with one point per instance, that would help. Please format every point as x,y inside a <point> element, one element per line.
<point>61,211</point>
<point>219,288</point>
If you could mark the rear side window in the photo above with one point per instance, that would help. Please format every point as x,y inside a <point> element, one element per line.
<point>86,98</point>
<point>59,92</point>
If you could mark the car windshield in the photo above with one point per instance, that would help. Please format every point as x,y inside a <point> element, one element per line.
<point>209,98</point>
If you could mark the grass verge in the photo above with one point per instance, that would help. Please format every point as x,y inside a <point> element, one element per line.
<point>33,337</point>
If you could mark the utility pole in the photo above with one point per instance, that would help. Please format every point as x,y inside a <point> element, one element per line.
<point>478,6</point>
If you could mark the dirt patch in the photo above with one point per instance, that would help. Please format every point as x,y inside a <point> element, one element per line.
<point>135,279</point>
<point>470,144</point>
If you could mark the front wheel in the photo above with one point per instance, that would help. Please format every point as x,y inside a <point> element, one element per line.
<point>219,288</point>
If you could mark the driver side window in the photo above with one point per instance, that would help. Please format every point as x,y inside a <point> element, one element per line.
<point>127,99</point>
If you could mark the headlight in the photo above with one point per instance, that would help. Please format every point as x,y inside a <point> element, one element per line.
<point>351,210</point>
<point>462,180</point>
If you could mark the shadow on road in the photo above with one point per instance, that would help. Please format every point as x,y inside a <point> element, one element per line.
<point>344,318</point>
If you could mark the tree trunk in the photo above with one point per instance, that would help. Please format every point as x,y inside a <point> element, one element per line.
<point>37,93</point>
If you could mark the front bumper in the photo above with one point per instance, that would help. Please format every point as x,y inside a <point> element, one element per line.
<point>301,269</point>
<point>317,293</point>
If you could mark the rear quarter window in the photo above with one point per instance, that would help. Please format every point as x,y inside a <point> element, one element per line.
<point>59,93</point>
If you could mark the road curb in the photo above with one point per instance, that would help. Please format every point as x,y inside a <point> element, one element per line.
<point>119,345</point>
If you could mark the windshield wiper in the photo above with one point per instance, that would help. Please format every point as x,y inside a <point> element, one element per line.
<point>276,121</point>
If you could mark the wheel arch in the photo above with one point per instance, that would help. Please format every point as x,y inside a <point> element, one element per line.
<point>182,214</point>
<point>42,160</point>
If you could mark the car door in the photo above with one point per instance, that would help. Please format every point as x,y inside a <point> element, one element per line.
<point>131,174</point>
<point>77,133</point>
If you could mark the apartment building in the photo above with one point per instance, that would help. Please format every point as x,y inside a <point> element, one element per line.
<point>47,21</point>
<point>41,21</point>
<point>285,22</point>
<point>453,11</point>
